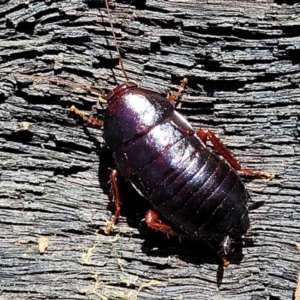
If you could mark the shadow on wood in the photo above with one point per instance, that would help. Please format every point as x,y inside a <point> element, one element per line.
<point>242,62</point>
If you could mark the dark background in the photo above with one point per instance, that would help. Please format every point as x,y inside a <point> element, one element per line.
<point>242,61</point>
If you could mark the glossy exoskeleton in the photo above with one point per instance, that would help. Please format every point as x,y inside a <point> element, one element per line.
<point>192,191</point>
<point>196,192</point>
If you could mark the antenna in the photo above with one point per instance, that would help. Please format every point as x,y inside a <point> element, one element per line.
<point>75,85</point>
<point>115,40</point>
<point>61,82</point>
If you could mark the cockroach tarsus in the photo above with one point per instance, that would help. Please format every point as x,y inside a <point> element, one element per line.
<point>191,190</point>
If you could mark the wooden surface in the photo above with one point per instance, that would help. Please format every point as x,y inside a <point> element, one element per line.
<point>242,61</point>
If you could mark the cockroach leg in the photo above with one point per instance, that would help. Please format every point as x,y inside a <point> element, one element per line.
<point>207,134</point>
<point>152,220</point>
<point>175,96</point>
<point>116,199</point>
<point>88,120</point>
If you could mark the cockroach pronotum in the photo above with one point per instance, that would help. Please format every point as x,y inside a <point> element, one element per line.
<point>192,191</point>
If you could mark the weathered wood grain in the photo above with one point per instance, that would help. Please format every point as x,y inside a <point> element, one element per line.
<point>242,62</point>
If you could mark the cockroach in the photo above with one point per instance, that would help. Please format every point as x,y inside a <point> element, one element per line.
<point>192,191</point>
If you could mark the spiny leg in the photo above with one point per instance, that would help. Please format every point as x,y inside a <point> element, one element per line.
<point>153,221</point>
<point>88,120</point>
<point>113,175</point>
<point>116,200</point>
<point>175,96</point>
<point>207,134</point>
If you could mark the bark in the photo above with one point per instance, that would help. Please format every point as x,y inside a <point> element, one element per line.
<point>242,63</point>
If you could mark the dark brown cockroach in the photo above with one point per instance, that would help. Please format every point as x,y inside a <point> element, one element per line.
<point>191,190</point>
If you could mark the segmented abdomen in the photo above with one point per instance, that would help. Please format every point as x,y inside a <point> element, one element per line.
<point>188,185</point>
